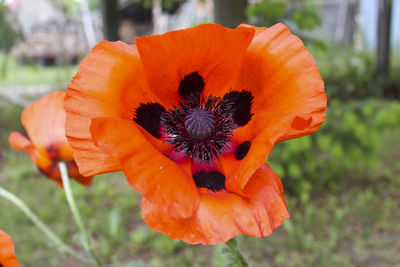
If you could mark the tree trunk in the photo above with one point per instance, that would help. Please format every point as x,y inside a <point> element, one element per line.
<point>230,13</point>
<point>383,39</point>
<point>351,24</point>
<point>110,16</point>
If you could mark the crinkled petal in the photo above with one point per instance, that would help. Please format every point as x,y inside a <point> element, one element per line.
<point>18,141</point>
<point>156,177</point>
<point>44,121</point>
<point>267,131</point>
<point>214,52</point>
<point>109,83</point>
<point>284,80</point>
<point>289,99</point>
<point>223,215</point>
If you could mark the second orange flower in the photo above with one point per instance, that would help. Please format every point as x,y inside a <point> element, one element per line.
<point>44,122</point>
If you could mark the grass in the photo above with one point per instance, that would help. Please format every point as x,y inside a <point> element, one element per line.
<point>357,224</point>
<point>9,120</point>
<point>110,208</point>
<point>31,75</point>
<point>355,228</point>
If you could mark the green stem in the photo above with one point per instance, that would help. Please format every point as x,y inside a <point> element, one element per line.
<point>87,243</point>
<point>236,254</point>
<point>42,226</point>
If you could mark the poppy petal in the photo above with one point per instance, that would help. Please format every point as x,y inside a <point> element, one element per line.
<point>7,251</point>
<point>49,133</point>
<point>289,99</point>
<point>158,178</point>
<point>110,82</point>
<point>223,215</point>
<point>207,55</point>
<point>73,171</point>
<point>18,141</point>
<point>284,79</point>
<point>266,132</point>
<point>44,120</point>
<point>86,181</point>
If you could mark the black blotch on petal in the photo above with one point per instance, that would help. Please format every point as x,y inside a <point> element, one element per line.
<point>214,181</point>
<point>148,116</point>
<point>240,105</point>
<point>191,86</point>
<point>242,150</point>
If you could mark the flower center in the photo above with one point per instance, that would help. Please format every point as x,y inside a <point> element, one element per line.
<point>200,123</point>
<point>200,127</point>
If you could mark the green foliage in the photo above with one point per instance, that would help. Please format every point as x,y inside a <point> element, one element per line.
<point>220,258</point>
<point>31,75</point>
<point>351,228</point>
<point>8,32</point>
<point>304,14</point>
<point>171,6</point>
<point>9,35</point>
<point>266,13</point>
<point>352,147</point>
<point>9,120</point>
<point>232,253</point>
<point>307,17</point>
<point>146,4</point>
<point>72,6</point>
<point>341,186</point>
<point>348,74</point>
<point>110,208</point>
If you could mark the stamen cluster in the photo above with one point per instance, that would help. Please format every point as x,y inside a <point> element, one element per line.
<point>213,113</point>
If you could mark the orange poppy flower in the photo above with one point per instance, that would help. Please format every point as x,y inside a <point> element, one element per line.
<point>44,121</point>
<point>190,116</point>
<point>7,251</point>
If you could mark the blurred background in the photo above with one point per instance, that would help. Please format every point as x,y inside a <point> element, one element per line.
<point>342,183</point>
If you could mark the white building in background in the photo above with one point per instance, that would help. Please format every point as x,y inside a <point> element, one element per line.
<point>192,12</point>
<point>49,35</point>
<point>341,22</point>
<point>368,25</point>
